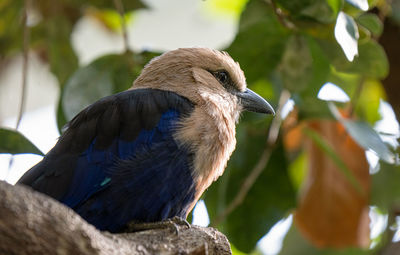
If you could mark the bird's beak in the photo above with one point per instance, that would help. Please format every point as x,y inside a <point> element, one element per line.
<point>252,102</point>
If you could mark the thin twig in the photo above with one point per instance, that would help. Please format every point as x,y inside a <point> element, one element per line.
<point>25,54</point>
<point>356,96</point>
<point>281,17</point>
<point>261,164</point>
<point>26,39</point>
<point>120,8</point>
<point>384,10</point>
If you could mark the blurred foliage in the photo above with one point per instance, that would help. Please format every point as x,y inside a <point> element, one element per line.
<point>385,187</point>
<point>225,7</point>
<point>104,76</point>
<point>281,45</point>
<point>273,186</point>
<point>296,244</point>
<point>13,142</point>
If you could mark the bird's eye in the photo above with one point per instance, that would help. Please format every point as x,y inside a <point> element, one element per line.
<point>222,76</point>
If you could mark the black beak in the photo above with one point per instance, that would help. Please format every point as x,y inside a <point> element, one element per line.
<point>252,102</point>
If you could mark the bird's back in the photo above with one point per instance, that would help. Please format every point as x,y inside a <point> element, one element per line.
<point>118,161</point>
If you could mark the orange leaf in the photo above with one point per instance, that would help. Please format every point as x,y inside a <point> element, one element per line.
<point>292,132</point>
<point>332,212</point>
<point>293,138</point>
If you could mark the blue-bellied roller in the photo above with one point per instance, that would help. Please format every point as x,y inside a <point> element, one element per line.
<point>147,154</point>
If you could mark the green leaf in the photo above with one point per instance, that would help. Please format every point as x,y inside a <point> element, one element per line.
<point>264,88</point>
<point>86,85</point>
<point>346,34</point>
<point>360,4</point>
<point>128,5</point>
<point>52,36</point>
<point>104,76</point>
<point>258,23</point>
<point>13,142</point>
<point>298,170</point>
<point>295,244</point>
<point>385,187</point>
<point>111,19</point>
<point>304,68</point>
<point>10,26</point>
<point>305,82</point>
<point>236,251</point>
<point>267,201</point>
<point>364,135</point>
<point>320,68</point>
<point>322,11</point>
<point>369,100</point>
<point>225,7</point>
<point>336,6</point>
<point>367,138</point>
<point>319,10</point>
<point>311,108</point>
<point>296,65</point>
<point>370,62</point>
<point>62,58</point>
<point>371,22</point>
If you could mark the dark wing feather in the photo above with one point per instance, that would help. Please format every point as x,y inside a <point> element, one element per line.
<point>152,185</point>
<point>94,132</point>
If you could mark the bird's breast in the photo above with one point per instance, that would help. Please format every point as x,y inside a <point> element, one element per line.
<point>210,132</point>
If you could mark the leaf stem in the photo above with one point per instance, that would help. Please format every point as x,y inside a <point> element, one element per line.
<point>261,164</point>
<point>280,16</point>
<point>120,8</point>
<point>25,54</point>
<point>356,96</point>
<point>26,39</point>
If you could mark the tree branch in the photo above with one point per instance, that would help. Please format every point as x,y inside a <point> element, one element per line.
<point>32,223</point>
<point>261,164</point>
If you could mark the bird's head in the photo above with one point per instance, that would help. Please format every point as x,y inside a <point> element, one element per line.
<point>202,75</point>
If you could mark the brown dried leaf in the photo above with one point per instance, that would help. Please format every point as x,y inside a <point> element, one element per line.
<point>332,212</point>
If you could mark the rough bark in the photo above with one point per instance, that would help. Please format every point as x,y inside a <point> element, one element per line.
<point>391,249</point>
<point>390,40</point>
<point>32,223</point>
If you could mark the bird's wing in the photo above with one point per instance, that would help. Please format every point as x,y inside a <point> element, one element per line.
<point>153,185</point>
<point>104,137</point>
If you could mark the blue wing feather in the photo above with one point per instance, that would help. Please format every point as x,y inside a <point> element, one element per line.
<point>149,179</point>
<point>110,176</point>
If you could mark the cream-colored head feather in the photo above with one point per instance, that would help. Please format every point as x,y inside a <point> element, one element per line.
<point>186,71</point>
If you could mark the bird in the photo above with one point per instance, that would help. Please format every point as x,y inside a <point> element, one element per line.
<point>147,154</point>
